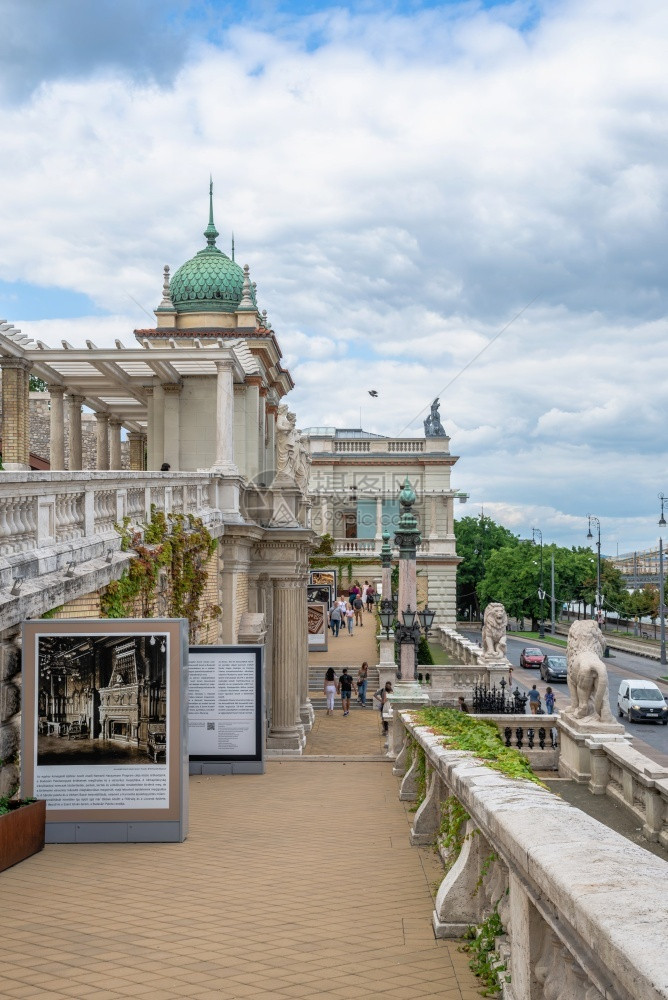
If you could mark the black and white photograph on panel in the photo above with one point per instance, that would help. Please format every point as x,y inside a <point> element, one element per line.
<point>102,699</point>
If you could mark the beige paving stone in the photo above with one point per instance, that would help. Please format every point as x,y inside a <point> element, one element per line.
<point>257,903</point>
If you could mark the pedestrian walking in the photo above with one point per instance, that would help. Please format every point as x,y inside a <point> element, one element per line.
<point>353,591</point>
<point>330,689</point>
<point>534,700</point>
<point>342,608</point>
<point>358,608</point>
<point>370,597</point>
<point>510,679</point>
<point>362,680</point>
<point>386,707</point>
<point>349,619</point>
<point>345,686</point>
<point>365,588</point>
<point>335,619</point>
<point>550,699</point>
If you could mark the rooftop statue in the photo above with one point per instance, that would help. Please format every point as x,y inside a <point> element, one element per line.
<point>433,427</point>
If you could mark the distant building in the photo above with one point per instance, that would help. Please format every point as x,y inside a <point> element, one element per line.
<point>354,484</point>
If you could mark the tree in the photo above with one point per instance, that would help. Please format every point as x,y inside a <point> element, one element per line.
<point>37,384</point>
<point>477,538</point>
<point>511,577</point>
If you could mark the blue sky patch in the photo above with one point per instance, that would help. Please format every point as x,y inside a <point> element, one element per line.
<point>32,302</point>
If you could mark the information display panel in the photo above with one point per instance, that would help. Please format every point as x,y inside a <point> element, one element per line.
<point>323,577</point>
<point>226,710</point>
<point>316,616</point>
<point>104,728</point>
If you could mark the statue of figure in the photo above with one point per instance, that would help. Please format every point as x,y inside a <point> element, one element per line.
<point>285,443</point>
<point>302,463</point>
<point>432,424</point>
<point>587,674</point>
<point>494,625</point>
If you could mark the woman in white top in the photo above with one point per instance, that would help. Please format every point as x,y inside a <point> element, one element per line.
<point>330,689</point>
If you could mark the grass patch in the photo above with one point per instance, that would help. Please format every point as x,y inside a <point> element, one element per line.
<point>439,655</point>
<point>463,732</point>
<point>552,639</point>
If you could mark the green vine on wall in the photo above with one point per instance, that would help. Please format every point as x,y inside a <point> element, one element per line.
<point>180,545</point>
<point>481,945</point>
<point>451,837</point>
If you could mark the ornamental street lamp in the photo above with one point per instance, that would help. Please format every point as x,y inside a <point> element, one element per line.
<point>662,610</point>
<point>592,517</point>
<point>541,592</point>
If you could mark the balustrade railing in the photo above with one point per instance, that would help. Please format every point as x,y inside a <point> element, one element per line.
<point>570,893</point>
<point>48,510</point>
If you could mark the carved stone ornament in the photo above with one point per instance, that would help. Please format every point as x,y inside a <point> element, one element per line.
<point>494,627</point>
<point>587,675</point>
<point>286,445</point>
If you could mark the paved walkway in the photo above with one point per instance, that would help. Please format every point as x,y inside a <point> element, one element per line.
<point>347,650</point>
<point>298,883</point>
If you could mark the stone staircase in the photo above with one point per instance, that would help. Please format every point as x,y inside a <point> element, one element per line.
<point>316,680</point>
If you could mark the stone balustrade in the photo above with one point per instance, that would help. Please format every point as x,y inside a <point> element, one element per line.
<point>457,645</point>
<point>633,780</point>
<point>582,909</point>
<point>57,532</point>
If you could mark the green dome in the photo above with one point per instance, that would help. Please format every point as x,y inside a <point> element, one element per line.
<point>210,282</point>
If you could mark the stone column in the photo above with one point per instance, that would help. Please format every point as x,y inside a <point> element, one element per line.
<point>306,711</point>
<point>172,425</point>
<point>150,428</point>
<point>379,521</point>
<point>15,415</point>
<point>270,452</point>
<point>102,457</point>
<point>115,443</point>
<point>253,453</point>
<point>57,427</point>
<point>225,419</point>
<point>158,427</point>
<point>136,439</point>
<point>75,404</point>
<point>433,532</point>
<point>286,733</point>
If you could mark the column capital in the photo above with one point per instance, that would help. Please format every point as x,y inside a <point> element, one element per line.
<point>254,380</point>
<point>224,365</point>
<point>135,435</point>
<point>171,388</point>
<point>17,364</point>
<point>115,421</point>
<point>102,416</point>
<point>148,389</point>
<point>288,583</point>
<point>56,389</point>
<point>75,399</point>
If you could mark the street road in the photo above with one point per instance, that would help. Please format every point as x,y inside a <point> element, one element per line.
<point>650,738</point>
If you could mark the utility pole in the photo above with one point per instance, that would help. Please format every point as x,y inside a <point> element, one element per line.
<point>552,624</point>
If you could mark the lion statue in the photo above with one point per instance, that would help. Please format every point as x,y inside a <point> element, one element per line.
<point>587,674</point>
<point>494,631</point>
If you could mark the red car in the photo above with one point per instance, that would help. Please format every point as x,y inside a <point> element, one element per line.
<point>531,657</point>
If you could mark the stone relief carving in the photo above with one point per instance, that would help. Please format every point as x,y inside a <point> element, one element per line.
<point>494,631</point>
<point>302,463</point>
<point>286,441</point>
<point>587,674</point>
<point>432,424</point>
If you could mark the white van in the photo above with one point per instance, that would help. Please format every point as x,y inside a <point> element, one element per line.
<point>640,700</point>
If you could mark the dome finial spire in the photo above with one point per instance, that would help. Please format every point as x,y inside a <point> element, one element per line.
<point>211,232</point>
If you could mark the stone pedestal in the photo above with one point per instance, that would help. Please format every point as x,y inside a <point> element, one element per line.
<point>286,500</point>
<point>578,741</point>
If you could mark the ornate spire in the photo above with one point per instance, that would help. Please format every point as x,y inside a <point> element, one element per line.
<point>232,246</point>
<point>166,303</point>
<point>211,232</point>
<point>246,304</point>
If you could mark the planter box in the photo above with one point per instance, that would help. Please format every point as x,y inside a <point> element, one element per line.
<point>21,833</point>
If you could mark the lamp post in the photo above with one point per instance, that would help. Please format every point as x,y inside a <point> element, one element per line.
<point>541,592</point>
<point>662,613</point>
<point>592,518</point>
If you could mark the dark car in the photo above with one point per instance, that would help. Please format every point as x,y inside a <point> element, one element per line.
<point>553,668</point>
<point>531,657</point>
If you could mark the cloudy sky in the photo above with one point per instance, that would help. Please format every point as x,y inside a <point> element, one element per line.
<point>412,183</point>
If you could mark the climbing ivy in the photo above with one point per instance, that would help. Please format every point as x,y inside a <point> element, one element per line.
<point>180,545</point>
<point>482,738</point>
<point>481,945</point>
<point>451,837</point>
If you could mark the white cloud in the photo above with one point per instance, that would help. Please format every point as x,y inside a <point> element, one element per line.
<point>401,189</point>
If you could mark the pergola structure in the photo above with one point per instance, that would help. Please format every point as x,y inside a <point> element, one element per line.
<point>122,386</point>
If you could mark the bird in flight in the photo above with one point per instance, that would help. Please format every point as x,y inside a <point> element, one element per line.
<point>372,392</point>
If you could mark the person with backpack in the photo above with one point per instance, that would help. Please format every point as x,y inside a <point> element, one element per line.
<point>345,686</point>
<point>358,608</point>
<point>370,597</point>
